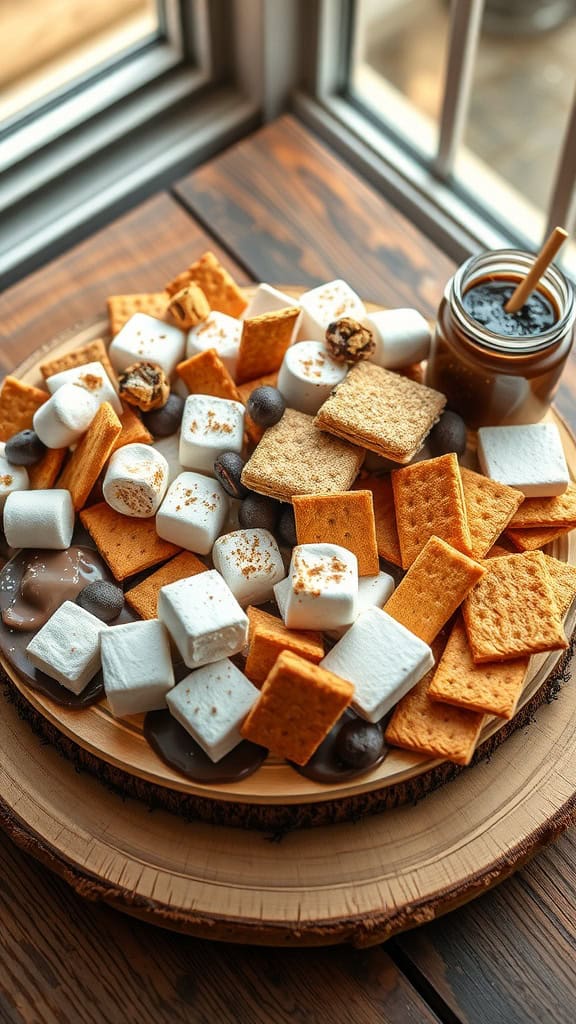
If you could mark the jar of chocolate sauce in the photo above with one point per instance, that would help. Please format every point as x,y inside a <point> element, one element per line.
<point>496,367</point>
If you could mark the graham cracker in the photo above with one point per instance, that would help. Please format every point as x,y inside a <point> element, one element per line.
<point>133,430</point>
<point>269,637</point>
<point>93,352</point>
<point>122,307</point>
<point>498,550</point>
<point>493,688</point>
<point>264,341</point>
<point>255,433</point>
<point>294,457</point>
<point>537,512</point>
<point>429,502</point>
<point>216,282</point>
<point>387,541</point>
<point>532,540</point>
<point>144,597</point>
<point>206,374</point>
<point>18,403</point>
<point>43,474</point>
<point>298,705</point>
<point>433,588</point>
<point>512,611</point>
<point>346,519</point>
<point>381,410</point>
<point>563,581</point>
<point>89,457</point>
<point>489,507</point>
<point>127,545</point>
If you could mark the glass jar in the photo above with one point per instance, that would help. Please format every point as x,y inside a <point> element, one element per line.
<point>493,379</point>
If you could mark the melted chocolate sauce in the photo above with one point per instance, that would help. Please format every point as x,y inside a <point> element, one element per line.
<point>177,748</point>
<point>325,766</point>
<point>485,302</point>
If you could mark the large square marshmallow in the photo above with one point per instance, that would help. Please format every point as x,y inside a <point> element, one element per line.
<point>136,667</point>
<point>382,659</point>
<point>307,376</point>
<point>203,617</point>
<point>267,299</point>
<point>218,331</point>
<point>12,478</point>
<point>329,302</point>
<point>67,648</point>
<point>211,705</point>
<point>193,512</point>
<point>146,339</point>
<point>321,590</point>
<point>373,592</point>
<point>39,519</point>
<point>93,378</point>
<point>402,336</point>
<point>210,426</point>
<point>530,458</point>
<point>251,564</point>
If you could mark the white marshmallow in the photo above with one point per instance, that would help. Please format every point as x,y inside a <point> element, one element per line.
<point>193,512</point>
<point>136,480</point>
<point>382,659</point>
<point>210,426</point>
<point>93,378</point>
<point>307,376</point>
<point>169,447</point>
<point>529,458</point>
<point>269,300</point>
<point>373,592</point>
<point>146,339</point>
<point>326,303</point>
<point>251,564</point>
<point>221,332</point>
<point>67,648</point>
<point>39,519</point>
<point>402,336</point>
<point>136,667</point>
<point>203,617</point>
<point>63,419</point>
<point>12,478</point>
<point>211,705</point>
<point>321,590</point>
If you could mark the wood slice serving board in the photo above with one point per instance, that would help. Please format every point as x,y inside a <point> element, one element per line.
<point>329,884</point>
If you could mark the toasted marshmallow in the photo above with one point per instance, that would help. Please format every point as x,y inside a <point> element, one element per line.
<point>203,618</point>
<point>329,302</point>
<point>64,418</point>
<point>136,480</point>
<point>210,426</point>
<point>221,332</point>
<point>402,337</point>
<point>136,667</point>
<point>144,339</point>
<point>67,648</point>
<point>39,519</point>
<point>193,512</point>
<point>211,705</point>
<point>93,378</point>
<point>321,590</point>
<point>307,376</point>
<point>250,563</point>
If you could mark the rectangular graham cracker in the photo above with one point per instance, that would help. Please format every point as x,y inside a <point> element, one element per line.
<point>133,430</point>
<point>206,374</point>
<point>294,457</point>
<point>255,433</point>
<point>144,597</point>
<point>127,545</point>
<point>89,457</point>
<point>382,411</point>
<point>218,285</point>
<point>433,588</point>
<point>18,403</point>
<point>298,705</point>
<point>264,341</point>
<point>346,519</point>
<point>489,507</point>
<point>268,637</point>
<point>93,352</point>
<point>563,580</point>
<point>427,727</point>
<point>512,611</point>
<point>387,541</point>
<point>493,688</point>
<point>43,474</point>
<point>122,307</point>
<point>537,512</point>
<point>532,540</point>
<point>429,502</point>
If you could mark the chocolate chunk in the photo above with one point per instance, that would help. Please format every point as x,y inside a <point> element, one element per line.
<point>266,406</point>
<point>165,421</point>
<point>102,599</point>
<point>449,435</point>
<point>24,449</point>
<point>258,513</point>
<point>287,526</point>
<point>228,470</point>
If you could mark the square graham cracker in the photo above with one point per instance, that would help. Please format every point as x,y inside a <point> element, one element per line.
<point>493,688</point>
<point>143,598</point>
<point>298,705</point>
<point>122,307</point>
<point>264,341</point>
<point>429,502</point>
<point>18,403</point>
<point>206,374</point>
<point>526,539</point>
<point>216,282</point>
<point>133,430</point>
<point>346,519</point>
<point>89,457</point>
<point>387,541</point>
<point>537,512</point>
<point>93,352</point>
<point>127,545</point>
<point>563,580</point>
<point>512,611</point>
<point>382,411</point>
<point>433,588</point>
<point>294,457</point>
<point>489,507</point>
<point>269,637</point>
<point>43,474</point>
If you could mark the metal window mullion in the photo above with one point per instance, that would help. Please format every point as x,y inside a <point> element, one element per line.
<point>465,22</point>
<point>562,194</point>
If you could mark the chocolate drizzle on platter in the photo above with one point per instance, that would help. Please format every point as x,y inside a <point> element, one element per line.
<point>177,748</point>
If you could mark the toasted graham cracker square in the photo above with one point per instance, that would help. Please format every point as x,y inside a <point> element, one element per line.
<point>87,460</point>
<point>94,352</point>
<point>537,512</point>
<point>512,611</point>
<point>382,411</point>
<point>18,403</point>
<point>429,502</point>
<point>489,507</point>
<point>498,550</point>
<point>268,638</point>
<point>218,285</point>
<point>297,707</point>
<point>144,597</point>
<point>133,430</point>
<point>346,519</point>
<point>384,515</point>
<point>255,433</point>
<point>127,545</point>
<point>43,474</point>
<point>563,581</point>
<point>206,374</point>
<point>433,588</point>
<point>122,307</point>
<point>533,539</point>
<point>264,341</point>
<point>294,457</point>
<point>493,688</point>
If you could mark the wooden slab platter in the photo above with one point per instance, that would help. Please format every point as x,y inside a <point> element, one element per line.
<point>337,883</point>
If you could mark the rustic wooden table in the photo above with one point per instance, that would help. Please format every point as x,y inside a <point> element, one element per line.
<point>277,207</point>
